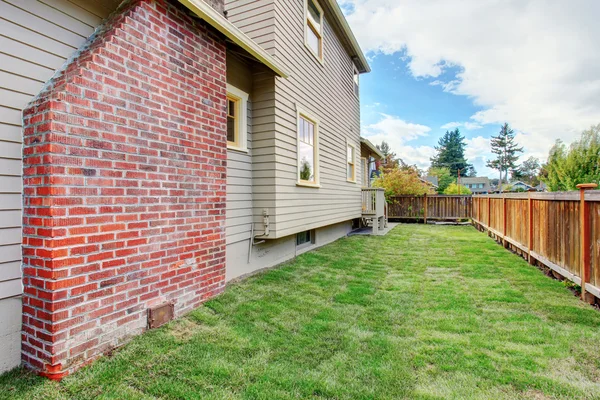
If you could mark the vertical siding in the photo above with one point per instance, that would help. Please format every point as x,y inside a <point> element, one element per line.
<point>36,37</point>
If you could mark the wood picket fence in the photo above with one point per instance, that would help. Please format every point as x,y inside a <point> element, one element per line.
<point>558,230</point>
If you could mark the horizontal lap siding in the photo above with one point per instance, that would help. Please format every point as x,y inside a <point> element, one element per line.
<point>326,92</point>
<point>36,37</point>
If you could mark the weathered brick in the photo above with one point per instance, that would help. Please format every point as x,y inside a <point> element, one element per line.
<point>115,148</point>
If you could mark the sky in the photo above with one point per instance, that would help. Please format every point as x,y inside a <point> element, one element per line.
<point>475,64</point>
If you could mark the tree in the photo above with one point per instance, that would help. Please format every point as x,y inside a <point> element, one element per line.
<point>390,161</point>
<point>443,175</point>
<point>454,189</point>
<point>580,163</point>
<point>451,154</point>
<point>506,151</point>
<point>528,172</point>
<point>402,181</point>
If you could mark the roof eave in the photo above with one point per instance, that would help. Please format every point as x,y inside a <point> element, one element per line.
<point>220,23</point>
<point>371,147</point>
<point>362,64</point>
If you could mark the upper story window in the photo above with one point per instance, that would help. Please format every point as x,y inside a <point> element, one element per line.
<point>314,28</point>
<point>351,163</point>
<point>308,150</point>
<point>237,124</point>
<point>356,80</point>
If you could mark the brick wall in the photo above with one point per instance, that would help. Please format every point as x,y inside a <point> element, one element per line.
<point>124,185</point>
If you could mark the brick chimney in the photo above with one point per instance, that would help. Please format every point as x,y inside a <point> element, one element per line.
<point>124,185</point>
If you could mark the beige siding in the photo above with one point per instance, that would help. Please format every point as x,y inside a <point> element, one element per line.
<point>325,90</point>
<point>255,19</point>
<point>36,37</point>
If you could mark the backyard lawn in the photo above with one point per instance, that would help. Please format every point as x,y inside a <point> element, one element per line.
<point>426,312</point>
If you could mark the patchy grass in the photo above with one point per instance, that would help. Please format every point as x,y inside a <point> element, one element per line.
<point>424,312</point>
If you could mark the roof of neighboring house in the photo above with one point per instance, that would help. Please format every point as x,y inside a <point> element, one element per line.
<point>520,183</point>
<point>428,182</point>
<point>433,180</point>
<point>474,179</point>
<point>220,23</point>
<point>371,147</point>
<point>348,38</point>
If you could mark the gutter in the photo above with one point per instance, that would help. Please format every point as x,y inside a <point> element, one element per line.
<point>341,19</point>
<point>220,23</point>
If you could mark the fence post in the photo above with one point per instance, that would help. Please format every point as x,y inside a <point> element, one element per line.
<point>584,229</point>
<point>425,210</point>
<point>529,228</point>
<point>489,224</point>
<point>504,242</point>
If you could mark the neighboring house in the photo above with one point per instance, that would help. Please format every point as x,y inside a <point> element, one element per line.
<point>154,151</point>
<point>433,180</point>
<point>519,186</point>
<point>542,187</point>
<point>477,185</point>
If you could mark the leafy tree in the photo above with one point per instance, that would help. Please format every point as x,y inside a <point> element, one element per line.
<point>528,172</point>
<point>400,181</point>
<point>443,175</point>
<point>580,163</point>
<point>451,153</point>
<point>453,188</point>
<point>506,151</point>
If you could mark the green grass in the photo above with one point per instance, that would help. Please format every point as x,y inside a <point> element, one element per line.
<point>426,312</point>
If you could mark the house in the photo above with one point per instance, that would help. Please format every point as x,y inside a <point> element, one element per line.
<point>519,186</point>
<point>477,185</point>
<point>153,150</point>
<point>433,181</point>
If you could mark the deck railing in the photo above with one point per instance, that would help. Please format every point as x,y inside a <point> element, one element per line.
<point>374,207</point>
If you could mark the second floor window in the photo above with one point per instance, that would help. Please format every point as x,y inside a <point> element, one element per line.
<point>356,81</point>
<point>314,28</point>
<point>307,151</point>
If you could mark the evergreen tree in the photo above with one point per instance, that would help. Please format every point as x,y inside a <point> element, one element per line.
<point>390,161</point>
<point>451,154</point>
<point>506,151</point>
<point>528,172</point>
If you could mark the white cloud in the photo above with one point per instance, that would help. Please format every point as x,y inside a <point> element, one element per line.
<point>451,125</point>
<point>531,63</point>
<point>397,132</point>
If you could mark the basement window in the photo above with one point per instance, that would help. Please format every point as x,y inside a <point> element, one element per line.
<point>305,238</point>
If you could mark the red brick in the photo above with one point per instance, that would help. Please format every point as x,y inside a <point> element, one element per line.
<point>110,167</point>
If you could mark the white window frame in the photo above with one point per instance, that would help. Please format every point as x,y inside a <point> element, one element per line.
<point>241,97</point>
<point>355,81</point>
<point>353,179</point>
<point>308,21</point>
<point>300,113</point>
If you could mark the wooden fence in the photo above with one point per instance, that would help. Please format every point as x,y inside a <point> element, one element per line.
<point>558,230</point>
<point>425,208</point>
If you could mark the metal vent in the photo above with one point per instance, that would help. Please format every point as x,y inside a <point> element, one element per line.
<point>160,315</point>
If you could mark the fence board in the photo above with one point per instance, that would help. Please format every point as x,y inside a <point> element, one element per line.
<point>438,207</point>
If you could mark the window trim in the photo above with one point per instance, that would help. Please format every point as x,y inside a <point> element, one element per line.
<point>309,23</point>
<point>355,81</point>
<point>365,172</point>
<point>241,99</point>
<point>349,144</point>
<point>300,113</point>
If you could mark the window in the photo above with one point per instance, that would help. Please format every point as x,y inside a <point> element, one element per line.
<point>314,28</point>
<point>364,167</point>
<point>351,163</point>
<point>237,123</point>
<point>308,150</point>
<point>356,81</point>
<point>305,238</point>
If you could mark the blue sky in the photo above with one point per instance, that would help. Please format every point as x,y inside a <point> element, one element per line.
<point>475,64</point>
